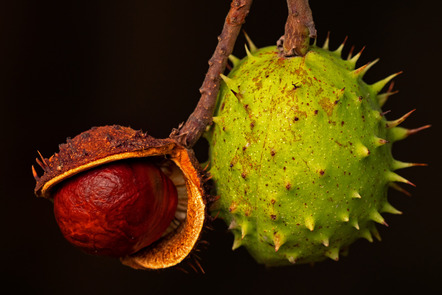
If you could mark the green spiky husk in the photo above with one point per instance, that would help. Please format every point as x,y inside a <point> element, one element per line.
<point>300,154</point>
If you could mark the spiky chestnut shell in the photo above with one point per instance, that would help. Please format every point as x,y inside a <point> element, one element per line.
<point>300,153</point>
<point>107,145</point>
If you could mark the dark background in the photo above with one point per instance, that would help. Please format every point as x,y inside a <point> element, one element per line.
<point>68,65</point>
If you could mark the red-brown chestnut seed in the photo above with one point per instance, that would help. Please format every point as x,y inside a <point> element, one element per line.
<point>116,209</point>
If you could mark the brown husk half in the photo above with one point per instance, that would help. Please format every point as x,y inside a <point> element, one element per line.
<point>101,145</point>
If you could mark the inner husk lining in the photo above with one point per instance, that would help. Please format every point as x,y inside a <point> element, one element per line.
<point>177,177</point>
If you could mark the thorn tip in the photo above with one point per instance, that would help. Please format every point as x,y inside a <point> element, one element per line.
<point>252,46</point>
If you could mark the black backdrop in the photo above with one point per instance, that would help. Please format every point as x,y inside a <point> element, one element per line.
<point>68,65</point>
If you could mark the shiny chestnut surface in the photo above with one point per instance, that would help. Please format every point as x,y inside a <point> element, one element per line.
<point>115,209</point>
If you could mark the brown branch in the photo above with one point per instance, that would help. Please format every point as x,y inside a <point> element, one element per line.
<point>299,28</point>
<point>189,133</point>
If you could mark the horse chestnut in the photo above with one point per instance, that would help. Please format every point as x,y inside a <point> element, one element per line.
<point>122,193</point>
<point>116,209</point>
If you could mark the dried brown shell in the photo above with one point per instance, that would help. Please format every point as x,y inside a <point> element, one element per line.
<point>101,145</point>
